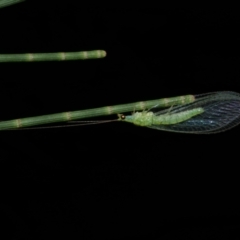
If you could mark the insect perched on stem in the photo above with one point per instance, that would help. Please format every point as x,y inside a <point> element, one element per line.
<point>200,114</point>
<point>88,113</point>
<point>209,113</point>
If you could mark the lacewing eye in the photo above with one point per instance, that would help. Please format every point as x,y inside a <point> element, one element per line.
<point>123,117</point>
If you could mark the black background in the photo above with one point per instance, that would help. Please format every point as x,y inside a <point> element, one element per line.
<point>116,180</point>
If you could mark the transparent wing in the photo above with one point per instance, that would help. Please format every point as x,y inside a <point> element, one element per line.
<point>221,112</point>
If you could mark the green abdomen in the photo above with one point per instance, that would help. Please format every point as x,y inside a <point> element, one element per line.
<point>167,119</point>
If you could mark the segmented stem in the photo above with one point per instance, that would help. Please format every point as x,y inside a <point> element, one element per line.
<point>60,56</point>
<point>109,110</point>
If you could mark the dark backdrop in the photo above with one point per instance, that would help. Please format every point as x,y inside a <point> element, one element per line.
<point>116,180</point>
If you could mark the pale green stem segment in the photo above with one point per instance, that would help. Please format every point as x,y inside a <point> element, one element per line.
<point>148,119</point>
<point>102,111</point>
<point>5,3</point>
<point>60,56</point>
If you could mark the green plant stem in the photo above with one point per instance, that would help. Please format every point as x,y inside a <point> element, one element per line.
<point>5,3</point>
<point>102,111</point>
<point>60,56</point>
